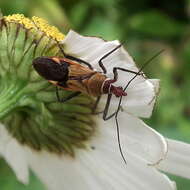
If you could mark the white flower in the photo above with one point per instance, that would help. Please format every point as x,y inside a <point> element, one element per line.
<point>100,167</point>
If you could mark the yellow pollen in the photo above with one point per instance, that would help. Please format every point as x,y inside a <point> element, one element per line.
<point>36,22</point>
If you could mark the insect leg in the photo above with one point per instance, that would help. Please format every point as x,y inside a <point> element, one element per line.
<point>74,58</point>
<point>79,60</point>
<point>106,55</point>
<point>126,70</point>
<point>105,113</point>
<point>96,104</point>
<point>68,97</point>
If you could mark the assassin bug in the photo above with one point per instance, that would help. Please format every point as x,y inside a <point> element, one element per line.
<point>68,73</point>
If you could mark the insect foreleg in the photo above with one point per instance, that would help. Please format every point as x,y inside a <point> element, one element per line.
<point>106,55</point>
<point>122,69</point>
<point>68,97</point>
<point>96,104</point>
<point>105,113</point>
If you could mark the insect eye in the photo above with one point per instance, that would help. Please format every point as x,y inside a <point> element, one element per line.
<point>50,69</point>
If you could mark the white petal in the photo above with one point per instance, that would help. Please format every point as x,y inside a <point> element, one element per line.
<point>13,153</point>
<point>177,160</point>
<point>100,168</point>
<point>139,138</point>
<point>61,172</point>
<point>156,84</point>
<point>146,109</point>
<point>140,93</point>
<point>92,49</point>
<point>136,175</point>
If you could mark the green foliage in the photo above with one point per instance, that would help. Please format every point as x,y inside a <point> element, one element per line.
<point>8,181</point>
<point>155,24</point>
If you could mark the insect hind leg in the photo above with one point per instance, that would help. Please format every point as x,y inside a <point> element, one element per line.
<point>80,61</point>
<point>69,97</point>
<point>74,58</point>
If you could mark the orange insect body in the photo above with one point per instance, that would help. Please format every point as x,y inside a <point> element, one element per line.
<point>81,78</point>
<point>72,76</point>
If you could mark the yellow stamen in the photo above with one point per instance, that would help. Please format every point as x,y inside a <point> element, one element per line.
<point>36,22</point>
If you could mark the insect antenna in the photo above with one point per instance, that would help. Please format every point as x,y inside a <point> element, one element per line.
<point>120,101</point>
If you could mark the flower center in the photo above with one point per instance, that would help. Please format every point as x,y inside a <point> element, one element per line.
<point>29,107</point>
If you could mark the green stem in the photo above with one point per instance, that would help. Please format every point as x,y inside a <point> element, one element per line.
<point>10,95</point>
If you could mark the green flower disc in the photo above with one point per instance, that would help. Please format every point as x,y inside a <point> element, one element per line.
<point>28,105</point>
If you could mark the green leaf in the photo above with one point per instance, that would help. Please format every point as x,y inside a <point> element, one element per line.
<point>102,27</point>
<point>156,24</point>
<point>8,180</point>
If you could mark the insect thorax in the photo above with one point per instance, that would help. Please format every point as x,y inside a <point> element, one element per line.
<point>95,84</point>
<point>85,80</point>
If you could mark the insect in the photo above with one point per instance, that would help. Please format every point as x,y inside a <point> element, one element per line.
<point>73,74</point>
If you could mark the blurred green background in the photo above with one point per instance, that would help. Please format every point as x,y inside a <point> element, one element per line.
<point>147,26</point>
